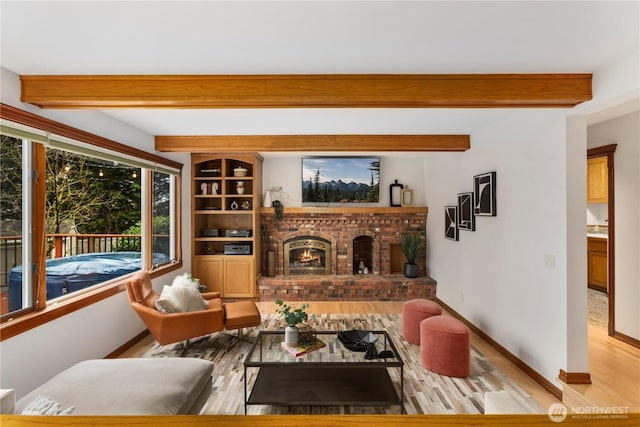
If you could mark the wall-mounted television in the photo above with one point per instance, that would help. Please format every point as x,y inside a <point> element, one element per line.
<point>340,179</point>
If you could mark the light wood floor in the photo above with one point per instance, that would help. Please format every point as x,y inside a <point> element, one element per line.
<point>614,365</point>
<point>615,374</point>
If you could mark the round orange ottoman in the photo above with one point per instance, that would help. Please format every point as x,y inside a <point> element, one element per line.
<point>413,312</point>
<point>445,347</point>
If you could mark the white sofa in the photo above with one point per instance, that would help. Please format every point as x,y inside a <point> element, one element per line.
<point>141,386</point>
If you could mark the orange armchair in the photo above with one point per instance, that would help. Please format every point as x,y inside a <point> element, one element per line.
<point>169,328</point>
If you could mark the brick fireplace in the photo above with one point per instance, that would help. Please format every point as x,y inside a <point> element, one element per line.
<point>343,254</point>
<point>306,255</point>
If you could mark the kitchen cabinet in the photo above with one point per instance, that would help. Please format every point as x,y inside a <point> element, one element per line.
<point>597,263</point>
<point>597,180</point>
<point>226,191</point>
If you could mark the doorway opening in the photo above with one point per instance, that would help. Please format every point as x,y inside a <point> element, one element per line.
<point>608,152</point>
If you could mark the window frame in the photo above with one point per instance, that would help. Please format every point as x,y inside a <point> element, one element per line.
<point>39,313</point>
<point>174,203</point>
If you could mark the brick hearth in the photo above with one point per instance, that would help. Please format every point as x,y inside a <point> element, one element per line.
<point>346,288</point>
<point>342,226</point>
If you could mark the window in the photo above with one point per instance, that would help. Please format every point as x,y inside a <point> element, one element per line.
<point>95,226</point>
<point>12,248</point>
<point>93,219</point>
<point>163,218</point>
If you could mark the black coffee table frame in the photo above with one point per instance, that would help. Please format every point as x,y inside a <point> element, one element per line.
<point>332,375</point>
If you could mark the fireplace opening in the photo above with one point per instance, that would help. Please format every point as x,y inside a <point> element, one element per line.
<point>307,255</point>
<point>362,259</point>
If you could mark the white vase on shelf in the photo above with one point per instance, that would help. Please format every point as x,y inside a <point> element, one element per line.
<point>267,203</point>
<point>240,187</point>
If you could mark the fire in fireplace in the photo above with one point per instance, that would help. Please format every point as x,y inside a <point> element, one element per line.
<point>307,255</point>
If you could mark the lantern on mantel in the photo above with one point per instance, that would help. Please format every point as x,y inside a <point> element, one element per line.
<point>395,191</point>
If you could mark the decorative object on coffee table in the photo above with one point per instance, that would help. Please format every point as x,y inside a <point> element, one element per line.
<point>410,246</point>
<point>292,317</point>
<point>307,342</point>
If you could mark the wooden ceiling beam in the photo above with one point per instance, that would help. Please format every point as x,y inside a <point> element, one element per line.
<point>312,143</point>
<point>307,91</point>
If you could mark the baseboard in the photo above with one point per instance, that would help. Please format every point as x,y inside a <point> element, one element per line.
<point>574,377</point>
<point>627,339</point>
<point>126,346</point>
<point>548,385</point>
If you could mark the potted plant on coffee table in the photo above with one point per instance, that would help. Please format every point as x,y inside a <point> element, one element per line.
<point>410,246</point>
<point>292,318</point>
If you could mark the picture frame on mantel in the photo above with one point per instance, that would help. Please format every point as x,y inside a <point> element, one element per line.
<point>484,192</point>
<point>466,218</point>
<point>451,223</point>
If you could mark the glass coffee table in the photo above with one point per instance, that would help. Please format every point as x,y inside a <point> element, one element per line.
<point>332,375</point>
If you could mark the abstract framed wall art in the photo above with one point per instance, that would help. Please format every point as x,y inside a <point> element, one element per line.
<point>451,222</point>
<point>484,191</point>
<point>466,218</point>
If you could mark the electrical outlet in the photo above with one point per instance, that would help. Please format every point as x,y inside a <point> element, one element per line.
<point>549,261</point>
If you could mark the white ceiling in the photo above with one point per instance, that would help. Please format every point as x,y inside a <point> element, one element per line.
<point>266,37</point>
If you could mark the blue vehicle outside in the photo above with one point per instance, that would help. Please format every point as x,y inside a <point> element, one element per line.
<point>76,272</point>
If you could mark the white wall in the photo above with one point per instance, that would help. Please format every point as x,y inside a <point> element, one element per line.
<point>624,131</point>
<point>286,171</point>
<point>32,357</point>
<point>576,245</point>
<point>496,276</point>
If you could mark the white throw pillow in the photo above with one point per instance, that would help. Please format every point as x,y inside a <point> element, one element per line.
<point>185,280</point>
<point>163,303</point>
<point>177,299</point>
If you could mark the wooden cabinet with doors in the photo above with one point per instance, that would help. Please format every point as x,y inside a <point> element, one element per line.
<point>597,180</point>
<point>209,271</point>
<point>597,263</point>
<point>226,195</point>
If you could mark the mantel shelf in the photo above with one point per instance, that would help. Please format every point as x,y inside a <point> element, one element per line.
<point>348,210</point>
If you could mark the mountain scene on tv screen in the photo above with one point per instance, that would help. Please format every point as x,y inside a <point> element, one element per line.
<point>341,180</point>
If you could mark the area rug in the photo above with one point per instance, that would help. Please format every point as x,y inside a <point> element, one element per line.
<point>598,308</point>
<point>425,392</point>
